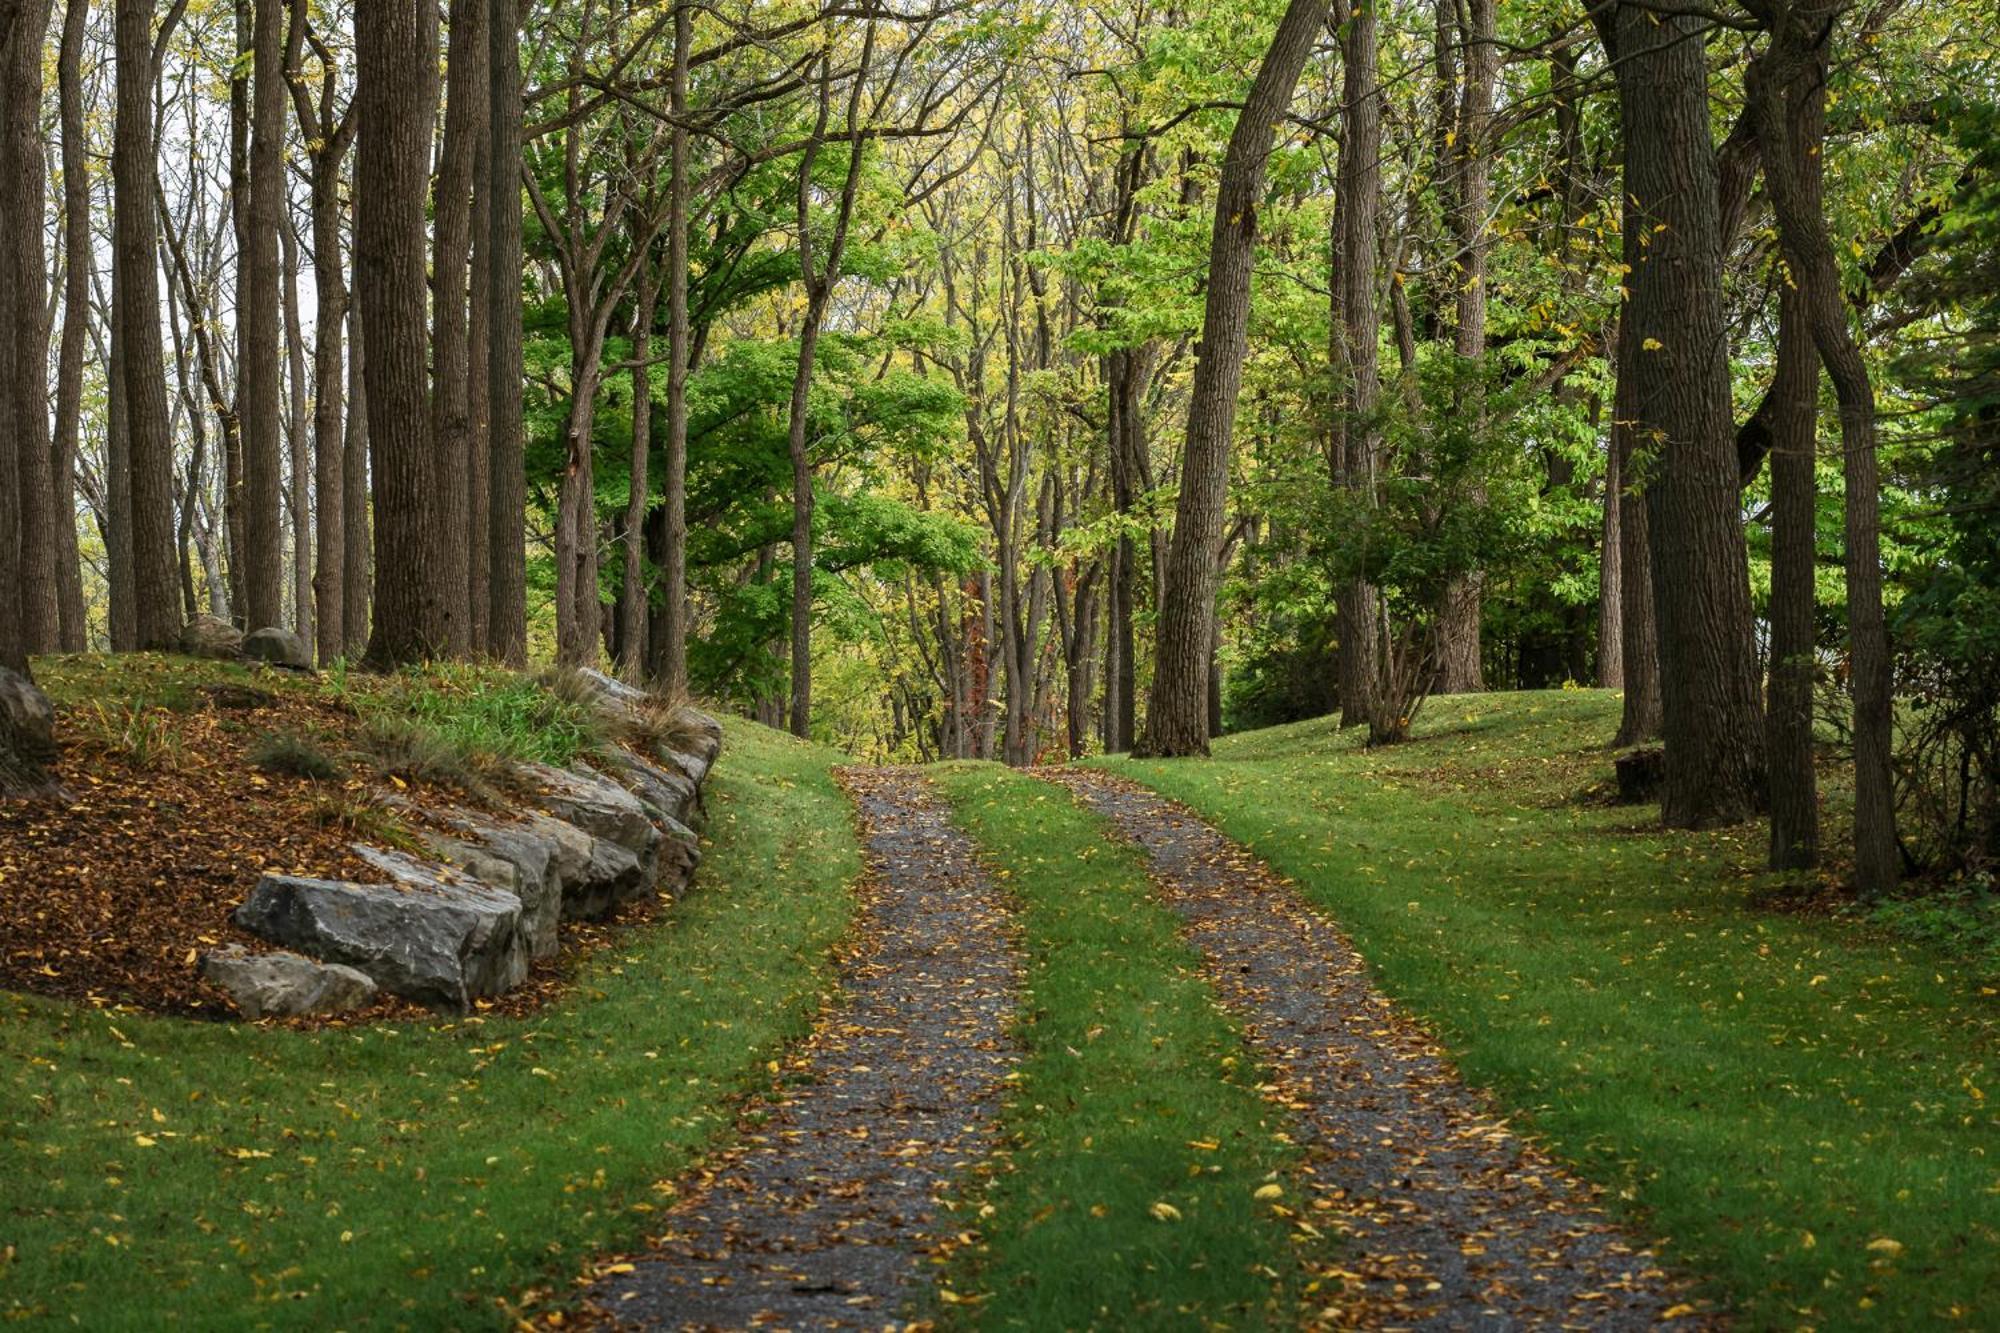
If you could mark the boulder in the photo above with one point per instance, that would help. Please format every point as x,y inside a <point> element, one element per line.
<point>526,859</point>
<point>427,934</point>
<point>211,637</point>
<point>597,805</point>
<point>282,985</point>
<point>1640,775</point>
<point>27,734</point>
<point>693,767</point>
<point>612,696</point>
<point>279,647</point>
<point>670,791</point>
<point>680,854</point>
<point>612,876</point>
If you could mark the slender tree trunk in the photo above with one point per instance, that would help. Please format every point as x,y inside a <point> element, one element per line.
<point>1459,628</point>
<point>80,255</point>
<point>156,599</point>
<point>1177,721</point>
<point>1610,578</point>
<point>300,442</point>
<point>1791,143</point>
<point>451,387</point>
<point>632,628</point>
<point>479,368</point>
<point>258,338</point>
<point>419,613</point>
<point>1679,371</point>
<point>28,552</point>
<point>670,660</point>
<point>507,605</point>
<point>1794,502</point>
<point>1358,324</point>
<point>357,550</point>
<point>122,613</point>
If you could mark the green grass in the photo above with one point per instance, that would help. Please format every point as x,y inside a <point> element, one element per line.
<point>1804,1106</point>
<point>481,714</point>
<point>1135,1091</point>
<point>158,1173</point>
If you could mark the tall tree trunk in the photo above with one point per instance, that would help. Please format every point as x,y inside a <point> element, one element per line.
<point>1679,371</point>
<point>357,584</point>
<point>479,368</point>
<point>1791,143</point>
<point>80,256</point>
<point>257,332</point>
<point>299,440</point>
<point>670,641</point>
<point>28,541</point>
<point>1459,668</point>
<point>507,604</point>
<point>1177,720</point>
<point>632,629</point>
<point>1794,502</point>
<point>1358,323</point>
<point>156,597</point>
<point>1610,577</point>
<point>418,612</point>
<point>451,388</point>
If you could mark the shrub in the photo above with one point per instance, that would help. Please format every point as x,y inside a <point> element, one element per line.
<point>289,753</point>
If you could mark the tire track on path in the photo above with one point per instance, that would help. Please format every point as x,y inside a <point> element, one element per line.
<point>1451,1221</point>
<point>821,1216</point>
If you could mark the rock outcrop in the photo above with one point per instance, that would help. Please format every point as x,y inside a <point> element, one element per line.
<point>208,636</point>
<point>284,985</point>
<point>27,736</point>
<point>467,926</point>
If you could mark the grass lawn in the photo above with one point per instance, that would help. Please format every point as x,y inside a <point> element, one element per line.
<point>1135,1140</point>
<point>1803,1106</point>
<point>159,1172</point>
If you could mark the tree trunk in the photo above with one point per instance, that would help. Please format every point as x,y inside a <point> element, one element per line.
<point>1358,322</point>
<point>300,444</point>
<point>80,257</point>
<point>479,369</point>
<point>1610,576</point>
<point>1679,368</point>
<point>1791,155</point>
<point>357,564</point>
<point>257,332</point>
<point>28,542</point>
<point>418,612</point>
<point>632,629</point>
<point>451,388</point>
<point>1177,720</point>
<point>507,604</point>
<point>156,597</point>
<point>1459,667</point>
<point>670,650</point>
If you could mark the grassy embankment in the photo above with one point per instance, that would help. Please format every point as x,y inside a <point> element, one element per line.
<point>1804,1105</point>
<point>1135,1141</point>
<point>158,1172</point>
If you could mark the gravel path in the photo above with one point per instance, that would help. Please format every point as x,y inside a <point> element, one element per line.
<point>820,1219</point>
<point>1452,1221</point>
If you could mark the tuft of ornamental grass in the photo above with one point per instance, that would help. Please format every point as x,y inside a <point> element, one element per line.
<point>289,753</point>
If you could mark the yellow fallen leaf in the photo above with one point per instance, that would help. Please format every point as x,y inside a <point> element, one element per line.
<point>1883,1245</point>
<point>144,1140</point>
<point>1165,1212</point>
<point>1270,1192</point>
<point>1680,1311</point>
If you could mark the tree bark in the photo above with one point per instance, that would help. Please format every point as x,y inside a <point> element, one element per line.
<point>1459,627</point>
<point>479,369</point>
<point>80,256</point>
<point>1358,322</point>
<point>357,550</point>
<point>1679,369</point>
<point>507,604</point>
<point>156,594</point>
<point>1798,52</point>
<point>670,642</point>
<point>28,541</point>
<point>419,614</point>
<point>451,387</point>
<point>258,337</point>
<point>1177,719</point>
<point>632,628</point>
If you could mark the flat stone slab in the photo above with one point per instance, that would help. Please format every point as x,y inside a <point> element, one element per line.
<point>427,935</point>
<point>285,985</point>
